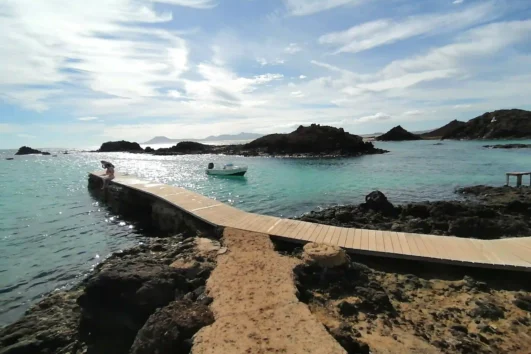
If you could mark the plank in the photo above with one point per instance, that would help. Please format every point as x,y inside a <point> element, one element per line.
<point>397,247</point>
<point>380,245</point>
<point>329,234</point>
<point>364,239</point>
<point>388,243</point>
<point>351,238</point>
<point>372,240</point>
<point>301,230</point>
<point>315,233</point>
<point>322,234</point>
<point>342,237</point>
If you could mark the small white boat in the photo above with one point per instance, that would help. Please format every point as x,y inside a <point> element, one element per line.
<point>227,170</point>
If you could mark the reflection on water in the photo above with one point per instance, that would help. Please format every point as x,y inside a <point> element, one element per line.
<point>52,232</point>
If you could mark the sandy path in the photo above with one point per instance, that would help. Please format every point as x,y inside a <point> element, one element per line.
<point>255,304</point>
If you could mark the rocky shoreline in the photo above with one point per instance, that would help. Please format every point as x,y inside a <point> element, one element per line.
<point>486,213</point>
<point>147,299</point>
<point>373,305</point>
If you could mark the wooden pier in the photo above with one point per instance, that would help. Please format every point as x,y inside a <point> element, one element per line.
<point>508,254</point>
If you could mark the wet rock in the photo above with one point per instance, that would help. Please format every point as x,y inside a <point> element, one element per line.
<point>523,302</point>
<point>51,326</point>
<point>375,301</point>
<point>487,310</point>
<point>170,329</point>
<point>377,201</point>
<point>398,134</point>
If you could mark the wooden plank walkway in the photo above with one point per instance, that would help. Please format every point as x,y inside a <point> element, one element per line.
<point>510,253</point>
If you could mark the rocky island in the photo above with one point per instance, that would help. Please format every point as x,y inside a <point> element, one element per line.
<point>508,146</point>
<point>311,141</point>
<point>398,134</point>
<point>26,150</point>
<point>120,146</point>
<point>443,131</point>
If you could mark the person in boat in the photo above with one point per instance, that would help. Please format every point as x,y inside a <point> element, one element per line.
<point>109,173</point>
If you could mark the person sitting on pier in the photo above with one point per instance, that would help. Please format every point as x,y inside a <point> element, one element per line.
<point>109,173</point>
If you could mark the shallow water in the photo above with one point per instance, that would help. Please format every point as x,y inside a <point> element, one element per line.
<point>52,232</point>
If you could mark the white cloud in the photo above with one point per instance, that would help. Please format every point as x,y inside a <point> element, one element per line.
<point>386,31</point>
<point>292,48</point>
<point>308,7</point>
<point>414,112</point>
<point>97,46</point>
<point>378,117</point>
<point>26,136</point>
<point>86,119</point>
<point>302,77</point>
<point>264,62</point>
<point>197,4</point>
<point>297,94</point>
<point>458,2</point>
<point>461,106</point>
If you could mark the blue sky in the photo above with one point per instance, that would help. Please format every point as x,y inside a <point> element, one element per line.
<point>75,74</point>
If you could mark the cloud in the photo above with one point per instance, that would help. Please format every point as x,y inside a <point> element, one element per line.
<point>302,77</point>
<point>458,2</point>
<point>309,7</point>
<point>264,62</point>
<point>86,119</point>
<point>386,31</point>
<point>414,112</point>
<point>26,136</point>
<point>292,48</point>
<point>196,4</point>
<point>378,117</point>
<point>98,47</point>
<point>297,94</point>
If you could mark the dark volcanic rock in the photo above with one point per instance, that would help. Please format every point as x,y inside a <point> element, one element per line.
<point>523,302</point>
<point>187,147</point>
<point>348,338</point>
<point>495,212</point>
<point>51,326</point>
<point>398,134</point>
<point>170,329</point>
<point>107,311</point>
<point>509,146</point>
<point>501,124</point>
<point>26,150</point>
<point>313,140</point>
<point>445,130</point>
<point>120,146</point>
<point>487,310</point>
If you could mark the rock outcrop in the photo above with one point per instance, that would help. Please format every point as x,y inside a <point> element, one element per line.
<point>501,124</point>
<point>186,147</point>
<point>378,305</point>
<point>26,150</point>
<point>315,140</point>
<point>493,213</point>
<point>443,131</point>
<point>147,299</point>
<point>398,134</point>
<point>120,146</point>
<point>508,146</point>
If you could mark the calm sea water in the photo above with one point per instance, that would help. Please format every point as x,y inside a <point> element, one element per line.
<point>52,232</point>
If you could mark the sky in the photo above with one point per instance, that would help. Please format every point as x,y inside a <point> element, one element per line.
<point>78,73</point>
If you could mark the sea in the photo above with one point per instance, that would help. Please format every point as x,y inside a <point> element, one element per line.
<point>53,232</point>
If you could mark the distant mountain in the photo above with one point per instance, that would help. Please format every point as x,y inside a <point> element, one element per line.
<point>223,137</point>
<point>162,140</point>
<point>241,136</point>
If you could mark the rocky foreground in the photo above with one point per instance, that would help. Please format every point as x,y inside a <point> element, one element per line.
<point>148,299</point>
<point>372,305</point>
<point>489,213</point>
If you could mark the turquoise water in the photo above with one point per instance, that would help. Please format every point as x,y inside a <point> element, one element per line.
<point>52,232</point>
